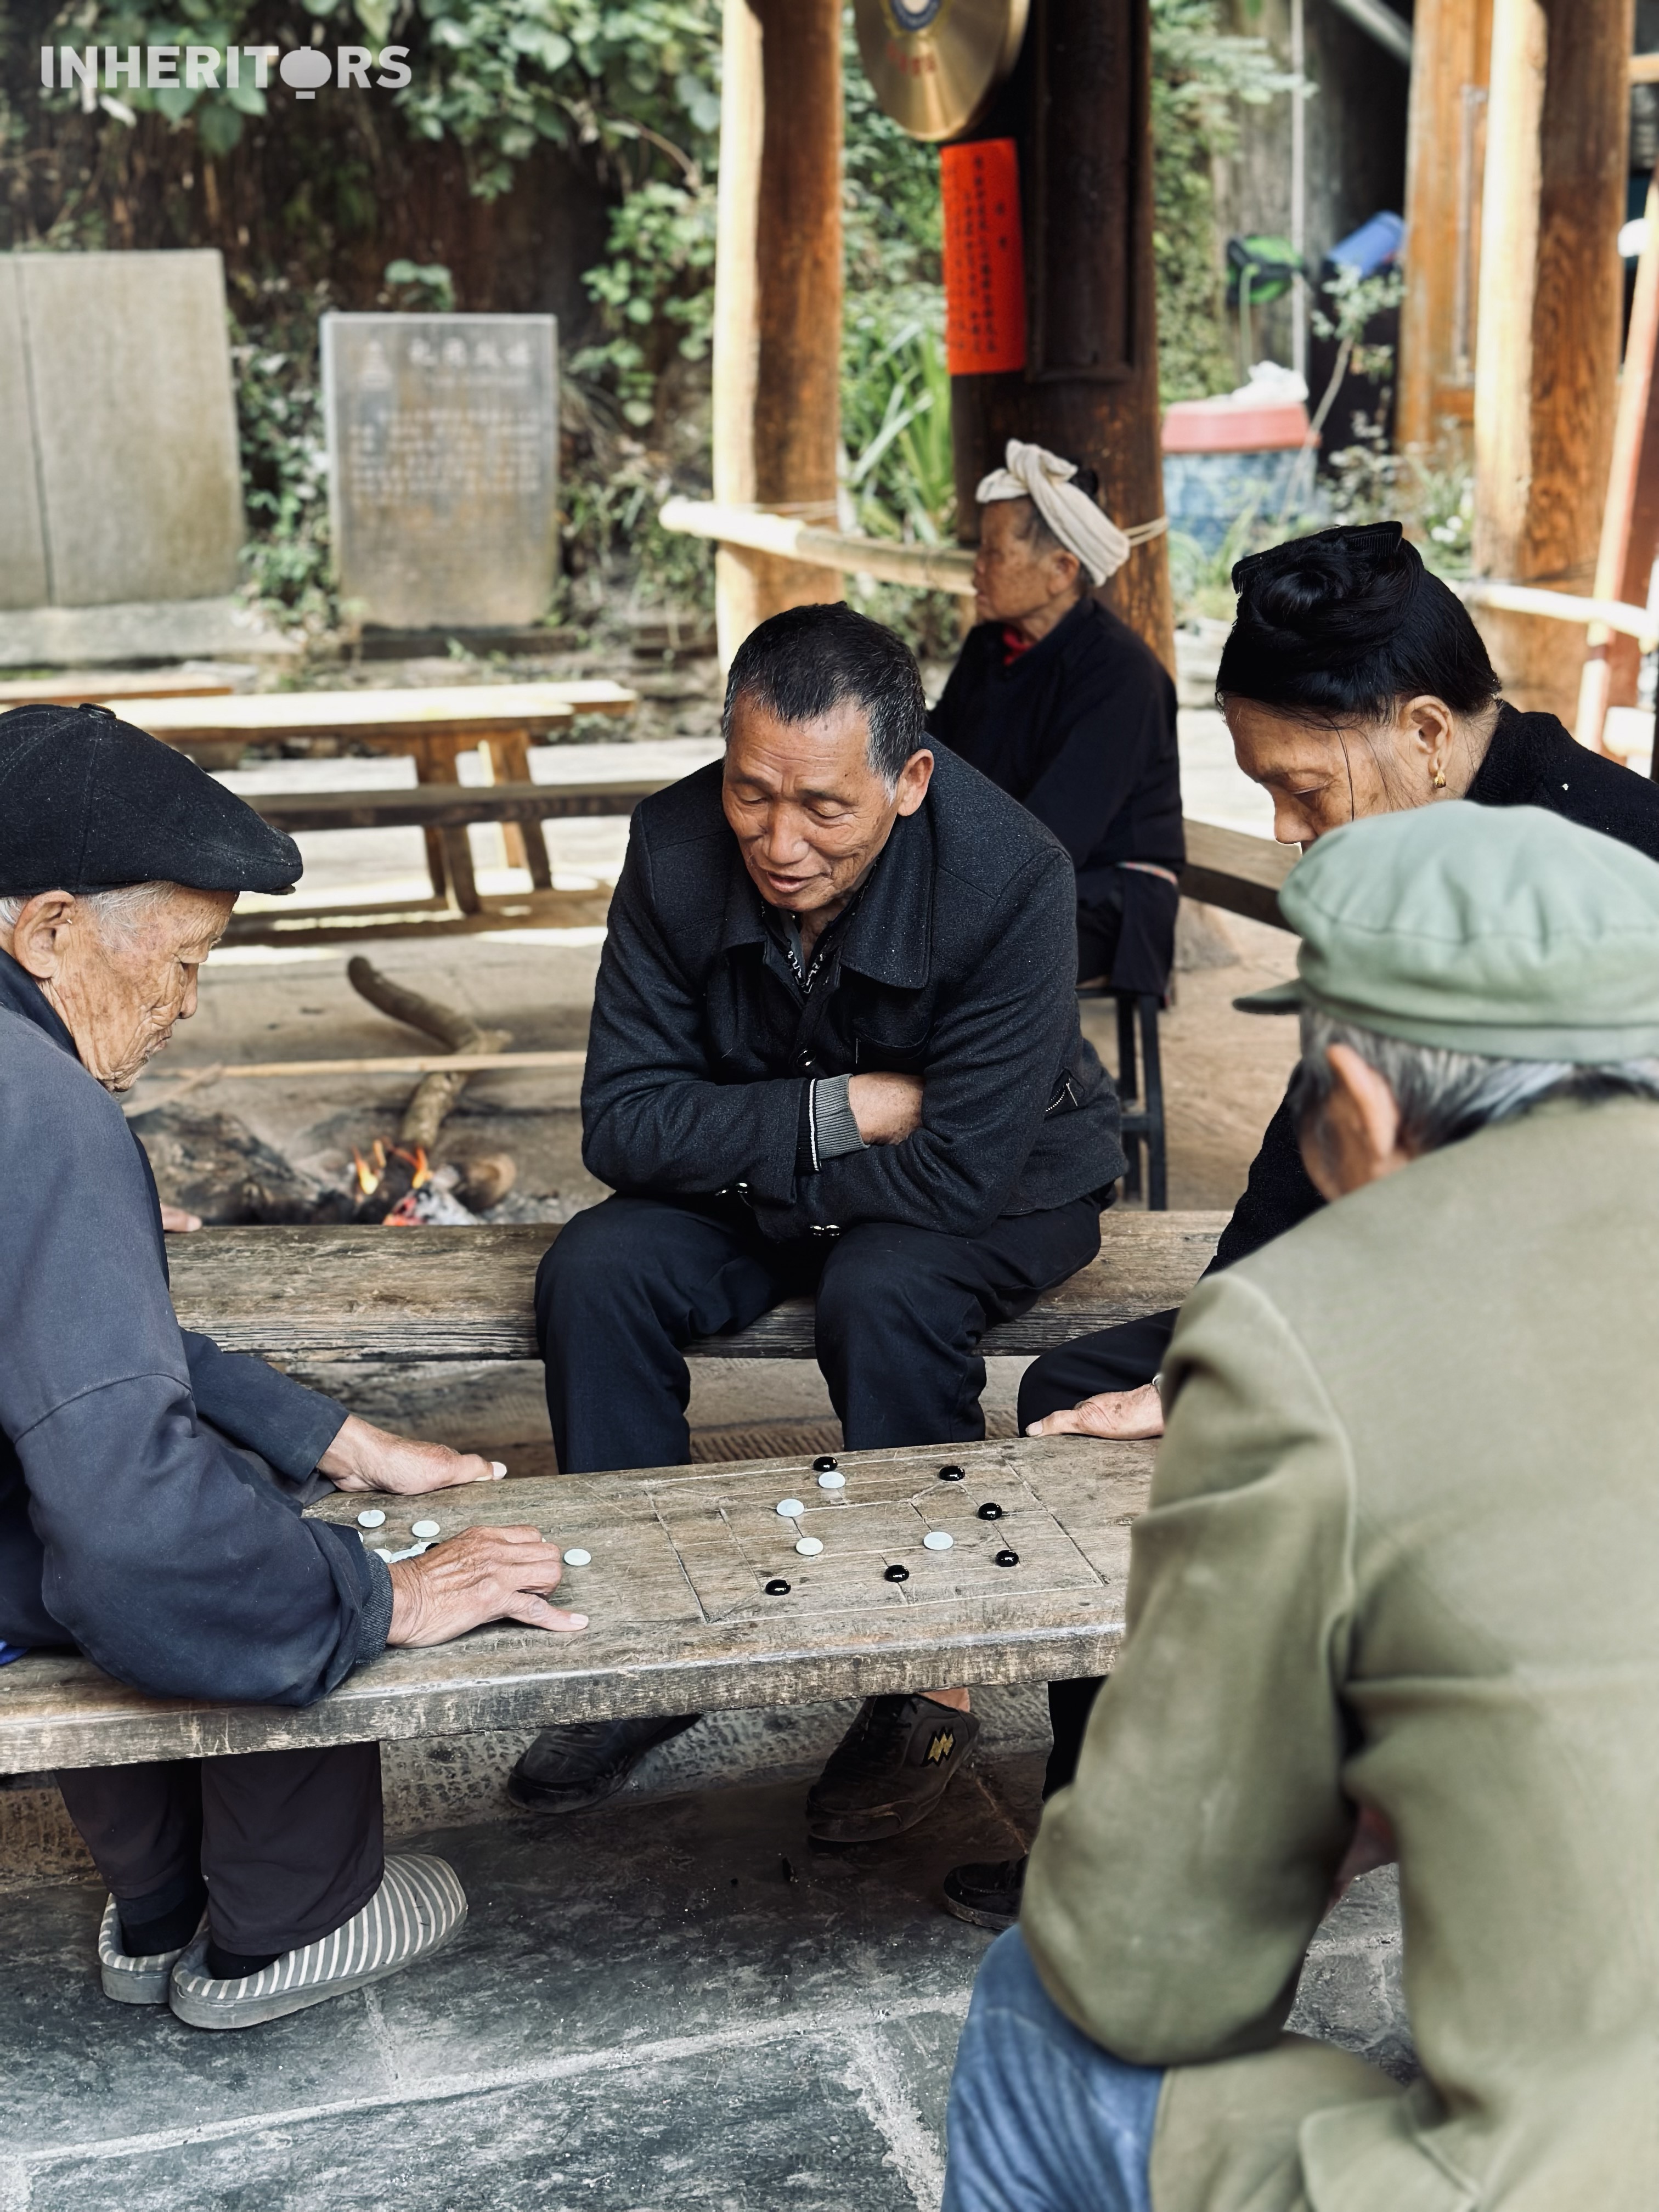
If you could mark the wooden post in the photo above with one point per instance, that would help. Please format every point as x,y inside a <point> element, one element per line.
<point>1078,106</point>
<point>1551,295</point>
<point>1625,558</point>
<point>777,294</point>
<point>1446,138</point>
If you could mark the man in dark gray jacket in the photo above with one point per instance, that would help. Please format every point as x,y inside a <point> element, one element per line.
<point>835,1049</point>
<point>150,1484</point>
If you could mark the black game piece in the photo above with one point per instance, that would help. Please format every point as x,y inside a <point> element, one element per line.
<point>777,1587</point>
<point>990,1511</point>
<point>897,1574</point>
<point>1007,1559</point>
<point>826,1465</point>
<point>950,1475</point>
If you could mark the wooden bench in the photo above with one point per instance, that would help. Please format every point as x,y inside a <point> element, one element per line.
<point>1226,868</point>
<point>445,810</point>
<point>307,1294</point>
<point>431,726</point>
<point>681,1620</point>
<point>108,687</point>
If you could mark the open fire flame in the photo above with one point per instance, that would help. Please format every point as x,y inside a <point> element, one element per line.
<point>371,1173</point>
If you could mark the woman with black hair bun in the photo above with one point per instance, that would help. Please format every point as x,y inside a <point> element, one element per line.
<point>1353,683</point>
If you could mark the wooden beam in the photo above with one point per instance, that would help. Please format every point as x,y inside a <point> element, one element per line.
<point>777,294</point>
<point>1079,105</point>
<point>1445,146</point>
<point>1551,297</point>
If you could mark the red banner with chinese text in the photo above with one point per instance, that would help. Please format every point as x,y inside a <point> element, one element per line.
<point>984,257</point>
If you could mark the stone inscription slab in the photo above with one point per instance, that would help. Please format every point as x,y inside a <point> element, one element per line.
<point>443,475</point>
<point>119,461</point>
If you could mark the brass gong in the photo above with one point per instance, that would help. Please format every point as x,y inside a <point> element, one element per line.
<point>935,64</point>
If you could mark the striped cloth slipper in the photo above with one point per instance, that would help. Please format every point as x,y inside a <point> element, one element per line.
<point>127,1979</point>
<point>418,1908</point>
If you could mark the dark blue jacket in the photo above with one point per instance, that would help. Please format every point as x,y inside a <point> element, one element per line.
<point>958,964</point>
<point>128,1528</point>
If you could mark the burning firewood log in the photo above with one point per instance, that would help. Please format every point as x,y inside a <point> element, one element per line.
<point>436,1095</point>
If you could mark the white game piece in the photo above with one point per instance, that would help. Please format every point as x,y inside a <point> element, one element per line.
<point>790,1507</point>
<point>381,1552</point>
<point>577,1558</point>
<point>832,1482</point>
<point>423,1527</point>
<point>809,1546</point>
<point>939,1540</point>
<point>372,1519</point>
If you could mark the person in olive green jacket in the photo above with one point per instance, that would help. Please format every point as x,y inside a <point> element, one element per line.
<point>1399,1573</point>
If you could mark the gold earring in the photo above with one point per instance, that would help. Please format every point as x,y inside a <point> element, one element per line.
<point>1440,778</point>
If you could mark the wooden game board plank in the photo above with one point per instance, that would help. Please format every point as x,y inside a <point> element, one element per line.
<point>349,1293</point>
<point>653,1647</point>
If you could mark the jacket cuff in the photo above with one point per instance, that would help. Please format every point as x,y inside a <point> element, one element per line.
<point>835,1123</point>
<point>374,1621</point>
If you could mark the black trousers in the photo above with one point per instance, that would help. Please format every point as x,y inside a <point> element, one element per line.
<point>900,1314</point>
<point>289,1841</point>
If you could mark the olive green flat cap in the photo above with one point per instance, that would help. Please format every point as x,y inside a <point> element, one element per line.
<point>1499,930</point>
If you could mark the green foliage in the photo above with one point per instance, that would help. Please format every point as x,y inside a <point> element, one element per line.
<point>279,408</point>
<point>425,288</point>
<point>657,290</point>
<point>1200,74</point>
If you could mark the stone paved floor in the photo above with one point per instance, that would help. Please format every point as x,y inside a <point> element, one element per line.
<point>673,2001</point>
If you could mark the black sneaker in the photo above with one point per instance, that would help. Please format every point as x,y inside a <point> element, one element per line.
<point>987,1893</point>
<point>584,1762</point>
<point>889,1770</point>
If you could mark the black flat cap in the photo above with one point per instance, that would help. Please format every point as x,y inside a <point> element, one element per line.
<point>89,804</point>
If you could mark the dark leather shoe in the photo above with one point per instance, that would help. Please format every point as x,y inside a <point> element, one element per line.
<point>988,1894</point>
<point>584,1762</point>
<point>889,1770</point>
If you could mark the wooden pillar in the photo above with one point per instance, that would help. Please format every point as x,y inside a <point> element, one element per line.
<point>1445,150</point>
<point>1078,106</point>
<point>777,294</point>
<point>1551,298</point>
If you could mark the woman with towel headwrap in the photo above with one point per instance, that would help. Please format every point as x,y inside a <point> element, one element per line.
<point>1062,705</point>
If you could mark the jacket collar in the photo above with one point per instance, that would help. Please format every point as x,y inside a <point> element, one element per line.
<point>21,994</point>
<point>889,936</point>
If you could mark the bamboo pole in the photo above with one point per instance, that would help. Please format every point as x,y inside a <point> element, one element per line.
<point>469,1063</point>
<point>933,568</point>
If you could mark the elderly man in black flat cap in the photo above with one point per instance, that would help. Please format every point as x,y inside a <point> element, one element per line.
<point>150,1484</point>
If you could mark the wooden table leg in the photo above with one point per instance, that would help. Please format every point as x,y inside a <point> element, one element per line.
<point>458,852</point>
<point>430,768</point>
<point>508,754</point>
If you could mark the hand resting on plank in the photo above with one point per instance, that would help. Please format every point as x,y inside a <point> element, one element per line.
<point>482,1575</point>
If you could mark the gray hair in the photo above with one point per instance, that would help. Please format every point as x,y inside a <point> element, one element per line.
<point>1442,1096</point>
<point>118,914</point>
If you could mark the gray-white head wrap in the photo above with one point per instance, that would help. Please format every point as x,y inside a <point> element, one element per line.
<point>1082,528</point>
